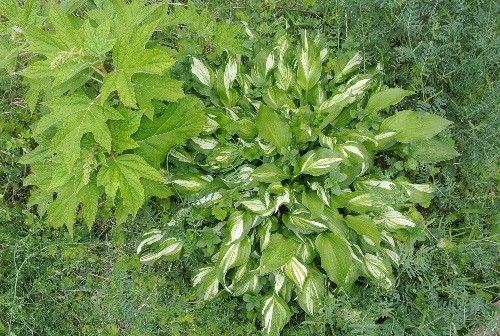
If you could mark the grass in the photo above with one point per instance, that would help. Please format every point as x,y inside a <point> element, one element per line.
<point>446,50</point>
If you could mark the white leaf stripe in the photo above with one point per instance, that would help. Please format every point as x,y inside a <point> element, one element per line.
<point>276,314</point>
<point>200,71</point>
<point>169,247</point>
<point>395,219</point>
<point>297,272</point>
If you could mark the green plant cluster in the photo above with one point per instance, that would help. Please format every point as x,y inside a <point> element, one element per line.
<point>446,280</point>
<point>292,145</point>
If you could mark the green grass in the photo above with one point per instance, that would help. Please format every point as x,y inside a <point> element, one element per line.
<point>447,51</point>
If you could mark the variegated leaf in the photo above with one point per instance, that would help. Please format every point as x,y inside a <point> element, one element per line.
<point>156,249</point>
<point>232,255</point>
<point>318,162</point>
<point>276,315</point>
<point>201,72</point>
<point>296,271</point>
<point>378,269</point>
<point>314,291</point>
<point>278,252</point>
<point>300,221</point>
<point>238,225</point>
<point>206,283</point>
<point>394,220</point>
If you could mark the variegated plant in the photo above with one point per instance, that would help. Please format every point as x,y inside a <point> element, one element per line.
<point>291,173</point>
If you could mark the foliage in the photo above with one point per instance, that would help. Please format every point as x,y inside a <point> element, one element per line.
<point>290,162</point>
<point>87,154</point>
<point>446,51</point>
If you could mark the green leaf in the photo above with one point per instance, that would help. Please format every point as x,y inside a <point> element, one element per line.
<point>121,130</point>
<point>386,98</point>
<point>336,258</point>
<point>201,72</point>
<point>432,150</point>
<point>313,203</point>
<point>97,40</point>
<point>158,87</point>
<point>346,64</point>
<point>238,226</point>
<point>377,268</point>
<point>232,255</point>
<point>300,221</point>
<point>131,57</point>
<point>177,123</point>
<point>75,116</point>
<point>319,161</point>
<point>152,250</point>
<point>273,128</point>
<point>419,193</point>
<point>395,220</point>
<point>206,283</point>
<point>63,210</point>
<point>313,292</point>
<point>412,126</point>
<point>309,63</point>
<point>297,272</point>
<point>277,253</point>
<point>269,173</point>
<point>365,226</point>
<point>123,173</point>
<point>276,315</point>
<point>249,282</point>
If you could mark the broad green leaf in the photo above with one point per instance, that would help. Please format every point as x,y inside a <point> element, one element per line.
<point>158,87</point>
<point>232,255</point>
<point>300,221</point>
<point>230,73</point>
<point>273,128</point>
<point>365,226</point>
<point>319,161</point>
<point>276,315</point>
<point>131,57</point>
<point>177,123</point>
<point>201,72</point>
<point>238,226</point>
<point>249,283</point>
<point>419,193</point>
<point>412,126</point>
<point>313,292</point>
<point>306,252</point>
<point>97,40</point>
<point>336,258</point>
<point>432,150</point>
<point>121,130</point>
<point>258,206</point>
<point>277,253</point>
<point>62,211</point>
<point>313,203</point>
<point>386,98</point>
<point>346,65</point>
<point>394,220</point>
<point>74,116</point>
<point>297,272</point>
<point>277,98</point>
<point>123,174</point>
<point>269,173</point>
<point>206,283</point>
<point>309,63</point>
<point>284,76</point>
<point>378,269</point>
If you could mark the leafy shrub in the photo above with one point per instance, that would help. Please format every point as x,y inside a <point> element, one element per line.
<point>104,129</point>
<point>299,167</point>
